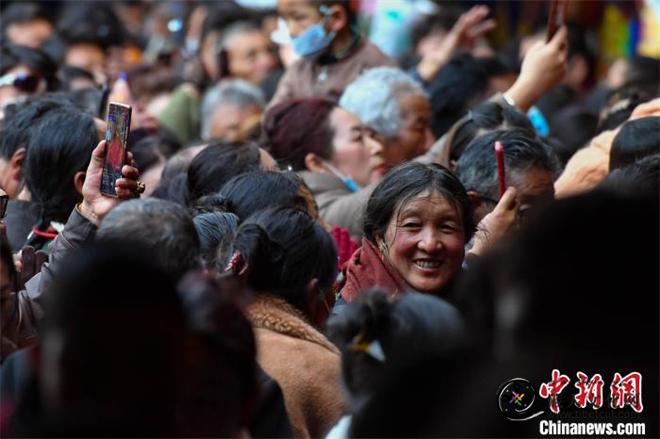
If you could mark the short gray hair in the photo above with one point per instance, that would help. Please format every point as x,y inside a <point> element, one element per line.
<point>229,91</point>
<point>375,98</point>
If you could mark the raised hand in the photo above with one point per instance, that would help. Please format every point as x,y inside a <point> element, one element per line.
<point>95,206</point>
<point>543,67</point>
<point>497,223</point>
<point>467,29</point>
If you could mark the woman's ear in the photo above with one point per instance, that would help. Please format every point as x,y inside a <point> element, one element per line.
<point>317,307</point>
<point>475,198</point>
<point>79,181</point>
<point>313,163</point>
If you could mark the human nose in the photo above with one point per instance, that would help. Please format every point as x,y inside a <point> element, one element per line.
<point>429,241</point>
<point>375,147</point>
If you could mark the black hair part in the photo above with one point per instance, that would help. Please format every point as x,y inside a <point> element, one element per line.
<point>216,232</point>
<point>484,118</point>
<point>19,118</point>
<point>60,145</point>
<point>285,249</point>
<point>218,163</point>
<point>637,139</point>
<point>405,182</point>
<point>164,227</point>
<point>248,193</point>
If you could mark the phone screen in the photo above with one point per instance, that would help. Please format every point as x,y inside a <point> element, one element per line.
<point>116,141</point>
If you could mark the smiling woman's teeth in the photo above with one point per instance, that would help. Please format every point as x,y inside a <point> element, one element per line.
<point>427,264</point>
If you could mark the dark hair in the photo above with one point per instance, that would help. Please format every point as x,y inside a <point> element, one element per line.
<point>165,228</point>
<point>22,12</point>
<point>411,326</point>
<point>217,164</point>
<point>216,232</point>
<point>34,59</point>
<point>221,15</point>
<point>137,314</point>
<point>486,117</point>
<point>636,139</point>
<point>404,183</point>
<point>295,128</point>
<point>477,168</point>
<point>60,145</point>
<point>19,118</point>
<point>640,177</point>
<point>225,385</point>
<point>621,103</point>
<point>460,84</point>
<point>92,23</point>
<point>285,249</point>
<point>248,193</point>
<point>573,127</point>
<point>642,70</point>
<point>146,153</point>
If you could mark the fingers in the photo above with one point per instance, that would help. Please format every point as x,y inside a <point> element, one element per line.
<point>126,188</point>
<point>482,28</point>
<point>130,172</point>
<point>130,160</point>
<point>508,201</point>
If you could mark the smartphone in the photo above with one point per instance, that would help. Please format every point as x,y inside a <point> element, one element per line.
<point>116,144</point>
<point>556,18</point>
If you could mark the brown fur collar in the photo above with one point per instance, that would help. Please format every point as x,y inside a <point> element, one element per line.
<point>275,314</point>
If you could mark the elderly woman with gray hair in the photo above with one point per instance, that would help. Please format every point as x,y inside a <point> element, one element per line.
<point>231,111</point>
<point>396,107</point>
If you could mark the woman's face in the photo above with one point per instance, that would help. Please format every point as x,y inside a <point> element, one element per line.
<point>415,136</point>
<point>356,153</point>
<point>425,242</point>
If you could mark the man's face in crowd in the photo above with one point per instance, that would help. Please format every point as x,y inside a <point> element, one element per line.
<point>415,135</point>
<point>298,14</point>
<point>233,122</point>
<point>356,153</point>
<point>250,57</point>
<point>13,93</point>
<point>32,33</point>
<point>535,188</point>
<point>88,57</point>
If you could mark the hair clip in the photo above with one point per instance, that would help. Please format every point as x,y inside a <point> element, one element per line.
<point>236,264</point>
<point>371,348</point>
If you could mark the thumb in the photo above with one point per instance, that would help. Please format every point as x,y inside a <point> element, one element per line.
<point>559,38</point>
<point>98,156</point>
<point>508,201</point>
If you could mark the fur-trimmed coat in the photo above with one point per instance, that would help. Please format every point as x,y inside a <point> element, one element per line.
<point>304,363</point>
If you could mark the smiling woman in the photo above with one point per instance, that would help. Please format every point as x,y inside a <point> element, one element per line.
<point>417,222</point>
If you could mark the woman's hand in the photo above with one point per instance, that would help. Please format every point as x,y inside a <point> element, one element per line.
<point>543,67</point>
<point>95,206</point>
<point>497,223</point>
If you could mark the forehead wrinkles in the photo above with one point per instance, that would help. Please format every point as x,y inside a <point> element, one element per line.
<point>424,194</point>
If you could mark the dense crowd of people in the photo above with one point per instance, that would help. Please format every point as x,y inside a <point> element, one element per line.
<point>311,237</point>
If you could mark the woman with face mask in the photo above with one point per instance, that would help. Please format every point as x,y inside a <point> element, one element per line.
<point>332,52</point>
<point>335,154</point>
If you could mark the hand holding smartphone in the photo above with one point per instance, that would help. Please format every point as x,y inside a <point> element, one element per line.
<point>116,140</point>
